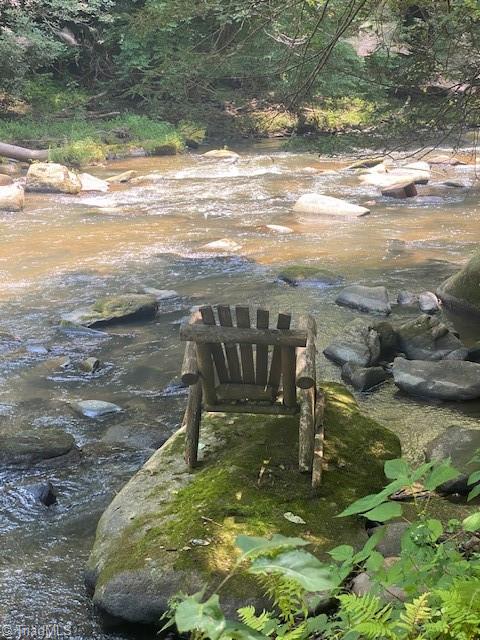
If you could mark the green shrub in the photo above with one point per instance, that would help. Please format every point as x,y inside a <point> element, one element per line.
<point>79,153</point>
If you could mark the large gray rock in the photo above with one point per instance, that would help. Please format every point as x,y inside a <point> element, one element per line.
<point>170,530</point>
<point>363,378</point>
<point>326,205</point>
<point>113,309</point>
<point>28,448</point>
<point>12,198</point>
<point>445,380</point>
<point>459,444</point>
<point>426,338</point>
<point>369,299</point>
<point>49,177</point>
<point>359,344</point>
<point>461,292</point>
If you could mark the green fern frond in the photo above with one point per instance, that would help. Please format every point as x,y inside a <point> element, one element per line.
<point>415,613</point>
<point>249,617</point>
<point>287,595</point>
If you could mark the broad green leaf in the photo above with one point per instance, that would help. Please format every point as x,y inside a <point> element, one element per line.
<point>384,512</point>
<point>251,545</point>
<point>341,553</point>
<point>474,477</point>
<point>374,562</point>
<point>397,468</point>
<point>435,528</point>
<point>474,493</point>
<point>439,474</point>
<point>300,566</point>
<point>363,504</point>
<point>206,617</point>
<point>472,523</point>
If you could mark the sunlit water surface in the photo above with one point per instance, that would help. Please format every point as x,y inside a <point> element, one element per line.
<point>65,251</point>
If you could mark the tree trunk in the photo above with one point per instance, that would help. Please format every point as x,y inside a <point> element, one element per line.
<point>22,154</point>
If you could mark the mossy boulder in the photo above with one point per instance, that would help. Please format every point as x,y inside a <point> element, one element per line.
<point>298,274</point>
<point>461,292</point>
<point>169,530</point>
<point>113,309</point>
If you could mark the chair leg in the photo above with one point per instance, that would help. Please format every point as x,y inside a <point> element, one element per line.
<point>317,465</point>
<point>306,430</point>
<point>191,420</point>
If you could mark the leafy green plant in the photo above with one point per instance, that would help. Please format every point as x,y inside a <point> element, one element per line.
<point>439,582</point>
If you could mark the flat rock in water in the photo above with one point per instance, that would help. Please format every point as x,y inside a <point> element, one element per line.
<point>400,190</point>
<point>28,448</point>
<point>444,380</point>
<point>49,177</point>
<point>95,408</point>
<point>160,294</point>
<point>153,541</point>
<point>278,228</point>
<point>358,344</point>
<point>109,310</point>
<point>426,338</point>
<point>461,292</point>
<point>12,198</point>
<point>365,163</point>
<point>369,299</point>
<point>326,205</point>
<point>92,183</point>
<point>121,178</point>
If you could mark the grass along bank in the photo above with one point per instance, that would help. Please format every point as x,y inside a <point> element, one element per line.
<point>80,141</point>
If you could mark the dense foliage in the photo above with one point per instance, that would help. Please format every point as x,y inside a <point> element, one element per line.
<point>409,63</point>
<point>436,576</point>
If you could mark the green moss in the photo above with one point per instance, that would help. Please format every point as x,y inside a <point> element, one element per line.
<point>247,484</point>
<point>465,285</point>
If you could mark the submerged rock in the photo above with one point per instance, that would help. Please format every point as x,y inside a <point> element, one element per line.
<point>12,198</point>
<point>49,177</point>
<point>298,274</point>
<point>147,545</point>
<point>426,338</point>
<point>320,204</point>
<point>5,180</point>
<point>45,493</point>
<point>461,292</point>
<point>122,308</point>
<point>358,344</point>
<point>279,228</point>
<point>444,380</point>
<point>31,447</point>
<point>407,299</point>
<point>95,408</point>
<point>366,163</point>
<point>369,299</point>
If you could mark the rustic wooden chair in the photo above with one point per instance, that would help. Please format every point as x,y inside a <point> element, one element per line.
<point>224,373</point>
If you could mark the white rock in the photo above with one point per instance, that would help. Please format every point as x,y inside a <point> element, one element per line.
<point>225,244</point>
<point>91,183</point>
<point>49,177</point>
<point>160,294</point>
<point>221,154</point>
<point>278,228</point>
<point>120,178</point>
<point>12,198</point>
<point>320,204</point>
<point>95,408</point>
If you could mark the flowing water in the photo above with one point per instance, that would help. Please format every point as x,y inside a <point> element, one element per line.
<point>63,252</point>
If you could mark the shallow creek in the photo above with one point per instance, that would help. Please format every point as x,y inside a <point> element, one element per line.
<point>65,251</point>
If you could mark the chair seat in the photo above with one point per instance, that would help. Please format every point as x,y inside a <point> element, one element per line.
<point>236,391</point>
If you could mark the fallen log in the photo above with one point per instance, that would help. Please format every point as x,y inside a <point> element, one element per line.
<point>21,153</point>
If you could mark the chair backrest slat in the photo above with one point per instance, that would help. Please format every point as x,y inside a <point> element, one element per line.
<point>246,350</point>
<point>261,364</point>
<point>283,322</point>
<point>231,350</point>
<point>208,318</point>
